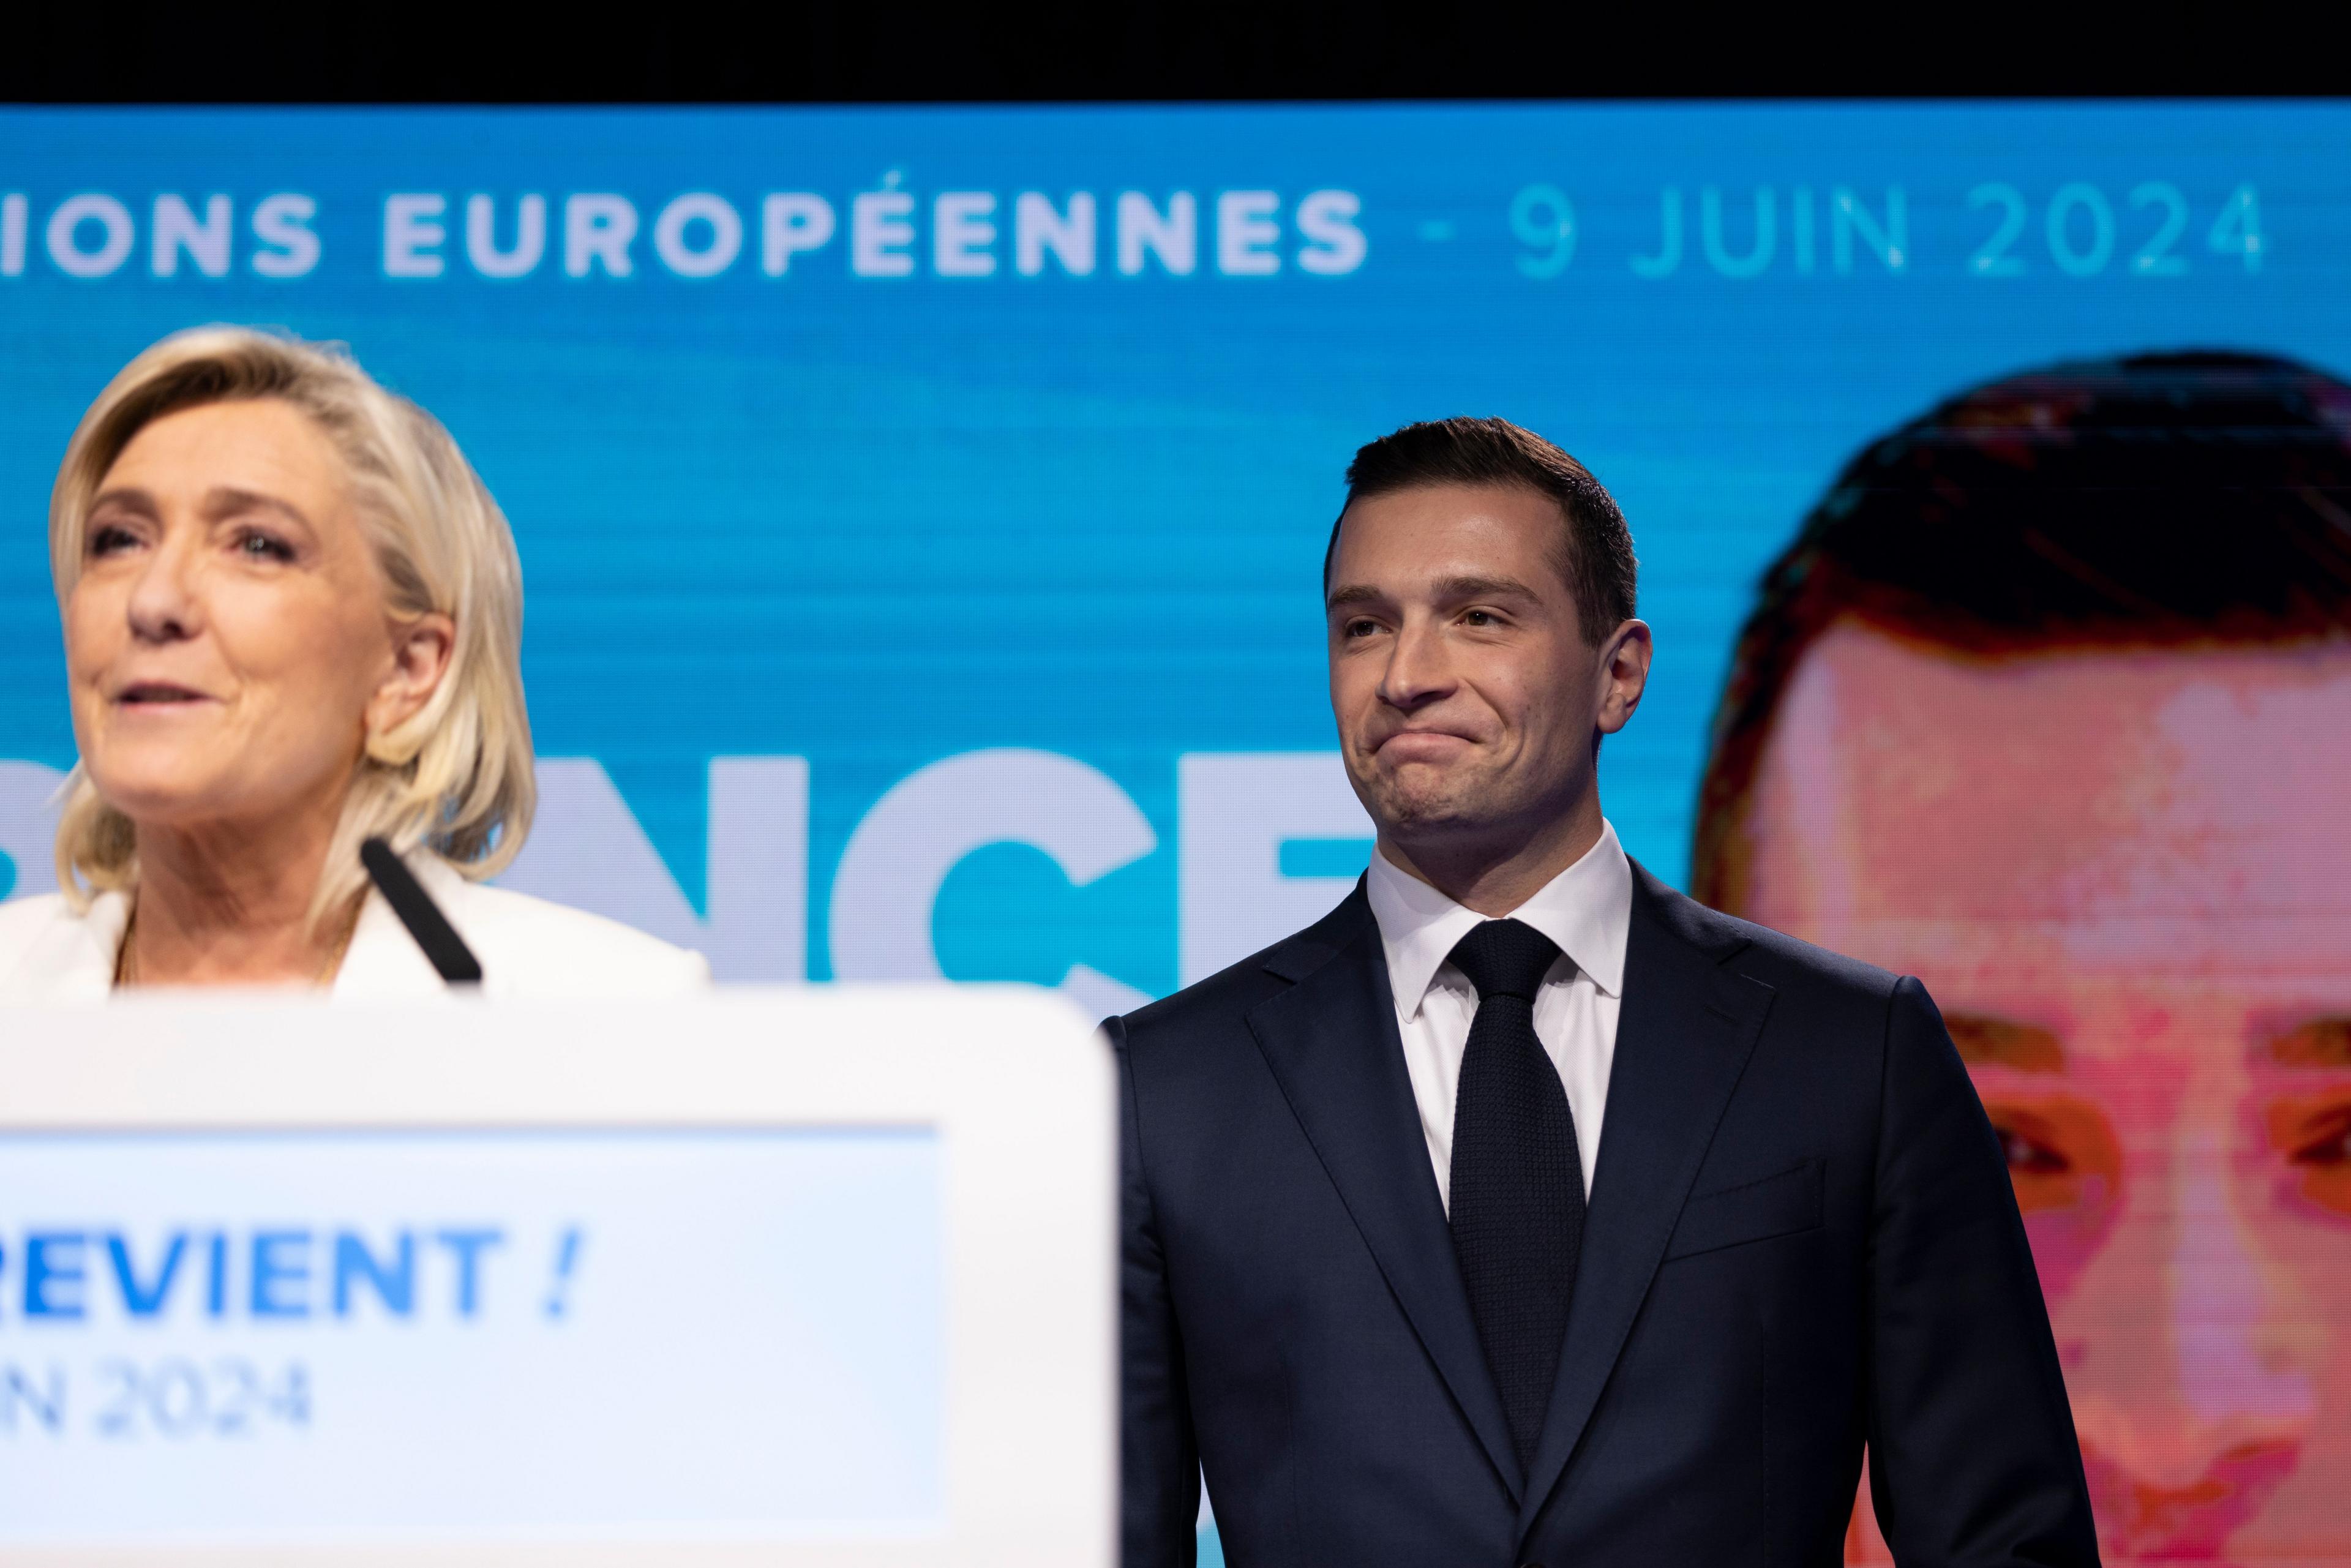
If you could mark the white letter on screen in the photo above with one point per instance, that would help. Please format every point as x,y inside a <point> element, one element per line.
<point>879,234</point>
<point>1247,233</point>
<point>65,232</point>
<point>1848,218</point>
<point>1038,226</point>
<point>961,233</point>
<point>1711,228</point>
<point>1669,238</point>
<point>289,249</point>
<point>176,228</point>
<point>411,233</point>
<point>482,236</point>
<point>598,229</point>
<point>758,869</point>
<point>726,234</point>
<point>791,222</point>
<point>28,825</point>
<point>11,234</point>
<point>587,850</point>
<point>1327,219</point>
<point>900,856</point>
<point>1234,812</point>
<point>1174,239</point>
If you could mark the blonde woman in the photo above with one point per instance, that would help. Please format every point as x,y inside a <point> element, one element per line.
<point>292,623</point>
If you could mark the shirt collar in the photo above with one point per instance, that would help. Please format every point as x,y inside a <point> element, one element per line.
<point>1586,909</point>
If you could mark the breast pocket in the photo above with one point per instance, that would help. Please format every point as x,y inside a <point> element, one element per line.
<point>1752,1211</point>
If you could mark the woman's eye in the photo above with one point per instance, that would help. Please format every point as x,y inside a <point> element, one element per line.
<point>2030,1155</point>
<point>109,539</point>
<point>255,544</point>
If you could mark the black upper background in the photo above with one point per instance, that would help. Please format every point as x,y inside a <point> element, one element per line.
<point>830,51</point>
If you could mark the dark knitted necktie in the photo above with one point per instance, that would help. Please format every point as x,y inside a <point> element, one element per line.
<point>1517,1198</point>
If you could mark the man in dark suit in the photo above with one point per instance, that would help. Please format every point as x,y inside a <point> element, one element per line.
<point>1522,1210</point>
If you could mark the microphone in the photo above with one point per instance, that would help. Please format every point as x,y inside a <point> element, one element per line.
<point>439,940</point>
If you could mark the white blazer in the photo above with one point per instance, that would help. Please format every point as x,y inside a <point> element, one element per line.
<point>528,947</point>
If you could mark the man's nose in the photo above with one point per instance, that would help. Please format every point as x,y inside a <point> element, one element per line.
<point>2184,1343</point>
<point>164,605</point>
<point>1416,673</point>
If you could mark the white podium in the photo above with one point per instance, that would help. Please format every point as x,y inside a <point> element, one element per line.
<point>806,1277</point>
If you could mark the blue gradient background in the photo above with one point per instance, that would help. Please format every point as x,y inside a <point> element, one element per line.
<point>876,522</point>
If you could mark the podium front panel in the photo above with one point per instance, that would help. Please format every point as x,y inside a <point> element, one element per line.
<point>796,1277</point>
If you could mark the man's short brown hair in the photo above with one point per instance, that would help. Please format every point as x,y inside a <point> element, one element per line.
<point>2161,501</point>
<point>1595,554</point>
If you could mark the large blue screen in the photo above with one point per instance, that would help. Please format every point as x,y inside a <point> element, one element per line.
<point>879,438</point>
<point>922,511</point>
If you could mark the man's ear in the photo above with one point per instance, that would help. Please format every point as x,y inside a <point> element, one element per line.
<point>1624,675</point>
<point>421,650</point>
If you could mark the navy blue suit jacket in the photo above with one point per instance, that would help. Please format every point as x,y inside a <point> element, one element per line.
<point>1801,1239</point>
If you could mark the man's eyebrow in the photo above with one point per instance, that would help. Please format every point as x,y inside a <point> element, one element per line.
<point>1447,590</point>
<point>2320,1042</point>
<point>1455,587</point>
<point>1985,1041</point>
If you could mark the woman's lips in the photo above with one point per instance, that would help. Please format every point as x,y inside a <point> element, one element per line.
<point>158,694</point>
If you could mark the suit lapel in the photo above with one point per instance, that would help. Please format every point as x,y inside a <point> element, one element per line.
<point>1683,1038</point>
<point>1331,1043</point>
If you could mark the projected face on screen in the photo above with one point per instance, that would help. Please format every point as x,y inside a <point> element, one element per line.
<point>2049,703</point>
<point>2127,878</point>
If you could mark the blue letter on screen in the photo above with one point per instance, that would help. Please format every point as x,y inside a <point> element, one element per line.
<point>145,1301</point>
<point>53,1259</point>
<point>270,1271</point>
<point>469,1245</point>
<point>394,1283</point>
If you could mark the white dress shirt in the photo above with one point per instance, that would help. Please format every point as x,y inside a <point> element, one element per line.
<point>1587,910</point>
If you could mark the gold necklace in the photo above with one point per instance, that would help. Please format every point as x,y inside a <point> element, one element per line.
<point>126,961</point>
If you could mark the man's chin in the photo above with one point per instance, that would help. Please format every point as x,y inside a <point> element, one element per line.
<point>1408,811</point>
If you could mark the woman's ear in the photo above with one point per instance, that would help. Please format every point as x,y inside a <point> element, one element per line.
<point>421,649</point>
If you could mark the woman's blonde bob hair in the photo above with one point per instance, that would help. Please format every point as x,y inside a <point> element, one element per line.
<point>456,777</point>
